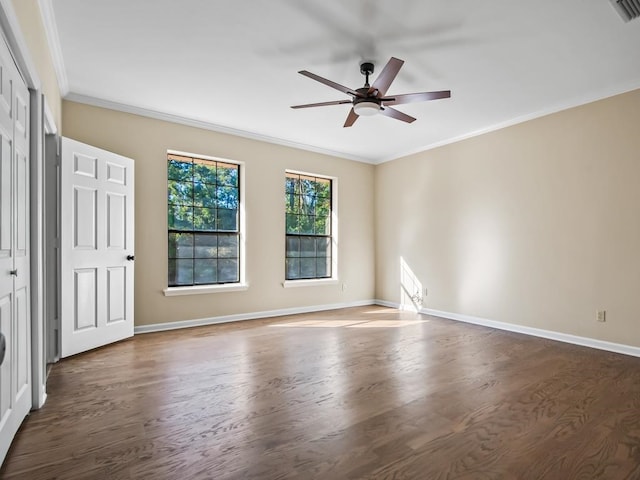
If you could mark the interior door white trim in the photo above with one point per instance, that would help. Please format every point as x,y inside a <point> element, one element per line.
<point>38,252</point>
<point>52,243</point>
<point>50,127</point>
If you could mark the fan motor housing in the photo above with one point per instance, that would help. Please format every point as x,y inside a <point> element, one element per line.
<point>369,98</point>
<point>364,91</point>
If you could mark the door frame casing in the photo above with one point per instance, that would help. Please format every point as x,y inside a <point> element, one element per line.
<point>40,122</point>
<point>52,244</point>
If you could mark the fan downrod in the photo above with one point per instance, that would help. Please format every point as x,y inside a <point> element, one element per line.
<point>366,69</point>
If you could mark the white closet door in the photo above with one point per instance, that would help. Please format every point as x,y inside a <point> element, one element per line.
<point>96,247</point>
<point>15,316</point>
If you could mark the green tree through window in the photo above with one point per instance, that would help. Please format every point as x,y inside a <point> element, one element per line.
<point>308,226</point>
<point>203,201</point>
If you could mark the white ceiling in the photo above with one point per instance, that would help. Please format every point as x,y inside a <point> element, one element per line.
<point>232,66</point>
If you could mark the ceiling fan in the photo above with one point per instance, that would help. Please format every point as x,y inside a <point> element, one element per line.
<point>372,99</point>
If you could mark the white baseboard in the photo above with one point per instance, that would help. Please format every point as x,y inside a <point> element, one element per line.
<point>41,400</point>
<point>538,332</point>
<point>160,327</point>
<point>399,306</point>
<point>384,303</point>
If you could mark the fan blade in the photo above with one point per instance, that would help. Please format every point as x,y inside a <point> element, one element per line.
<point>322,104</point>
<point>416,97</point>
<point>387,75</point>
<point>390,112</point>
<point>329,83</point>
<point>351,118</point>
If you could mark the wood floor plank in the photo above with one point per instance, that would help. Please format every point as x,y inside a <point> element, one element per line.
<point>360,393</point>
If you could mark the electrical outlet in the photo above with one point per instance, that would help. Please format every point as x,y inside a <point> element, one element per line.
<point>344,287</point>
<point>601,315</point>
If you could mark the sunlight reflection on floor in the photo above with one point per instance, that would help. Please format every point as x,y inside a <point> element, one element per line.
<point>389,323</point>
<point>351,324</point>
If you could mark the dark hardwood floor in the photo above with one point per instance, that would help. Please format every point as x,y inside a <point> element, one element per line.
<point>362,393</point>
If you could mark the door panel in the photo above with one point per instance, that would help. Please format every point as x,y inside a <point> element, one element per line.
<point>86,299</point>
<point>117,294</point>
<point>22,201</point>
<point>5,370</point>
<point>84,165</point>
<point>21,133</point>
<point>96,238</point>
<point>84,218</point>
<point>6,93</point>
<point>23,341</point>
<point>116,221</point>
<point>116,173</point>
<point>6,182</point>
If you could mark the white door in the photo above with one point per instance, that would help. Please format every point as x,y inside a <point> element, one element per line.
<point>96,247</point>
<point>15,318</point>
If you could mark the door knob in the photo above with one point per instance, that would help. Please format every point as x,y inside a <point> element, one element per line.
<point>13,272</point>
<point>131,258</point>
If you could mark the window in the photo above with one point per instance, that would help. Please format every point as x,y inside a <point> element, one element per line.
<point>203,207</point>
<point>308,226</point>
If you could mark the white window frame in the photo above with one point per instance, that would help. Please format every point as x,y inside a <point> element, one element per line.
<point>333,279</point>
<point>225,287</point>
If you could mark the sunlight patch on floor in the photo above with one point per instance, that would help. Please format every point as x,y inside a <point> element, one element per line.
<point>350,323</point>
<point>319,323</point>
<point>388,323</point>
<point>379,311</point>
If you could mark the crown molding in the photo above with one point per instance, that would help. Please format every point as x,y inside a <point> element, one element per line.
<point>572,103</point>
<point>190,122</point>
<point>566,105</point>
<point>51,31</point>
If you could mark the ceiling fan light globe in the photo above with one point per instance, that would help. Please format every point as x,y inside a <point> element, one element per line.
<point>366,108</point>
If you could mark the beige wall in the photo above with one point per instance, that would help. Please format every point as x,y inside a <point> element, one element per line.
<point>28,13</point>
<point>147,140</point>
<point>537,224</point>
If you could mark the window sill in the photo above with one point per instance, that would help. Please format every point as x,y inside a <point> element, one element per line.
<point>200,289</point>
<point>309,283</point>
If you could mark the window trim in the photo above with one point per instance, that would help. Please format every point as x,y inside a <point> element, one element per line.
<point>310,282</point>
<point>200,289</point>
<point>221,287</point>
